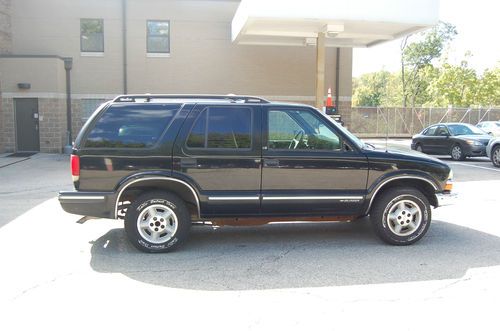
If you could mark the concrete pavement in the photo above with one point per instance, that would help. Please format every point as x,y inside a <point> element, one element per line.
<point>59,274</point>
<point>27,182</point>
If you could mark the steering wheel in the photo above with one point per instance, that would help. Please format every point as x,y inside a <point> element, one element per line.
<point>296,139</point>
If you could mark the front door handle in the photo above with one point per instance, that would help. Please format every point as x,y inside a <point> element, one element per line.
<point>189,163</point>
<point>271,163</point>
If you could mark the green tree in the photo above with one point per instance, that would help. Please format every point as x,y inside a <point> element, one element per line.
<point>417,57</point>
<point>370,89</point>
<point>455,85</point>
<point>488,89</point>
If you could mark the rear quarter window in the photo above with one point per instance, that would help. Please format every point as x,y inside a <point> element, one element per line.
<point>131,126</point>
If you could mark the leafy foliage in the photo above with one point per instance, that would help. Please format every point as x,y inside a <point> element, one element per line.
<point>423,82</point>
<point>417,58</point>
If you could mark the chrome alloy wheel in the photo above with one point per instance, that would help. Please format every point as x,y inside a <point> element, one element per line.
<point>419,148</point>
<point>496,156</point>
<point>456,152</point>
<point>157,224</point>
<point>404,218</point>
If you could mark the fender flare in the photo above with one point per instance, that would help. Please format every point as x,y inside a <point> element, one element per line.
<point>124,187</point>
<point>391,179</point>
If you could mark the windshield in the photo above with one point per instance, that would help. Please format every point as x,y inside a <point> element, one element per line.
<point>464,129</point>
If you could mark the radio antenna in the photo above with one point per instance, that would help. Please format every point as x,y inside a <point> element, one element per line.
<point>386,126</point>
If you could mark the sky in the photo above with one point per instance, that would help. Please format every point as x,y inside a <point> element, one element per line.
<point>478,31</point>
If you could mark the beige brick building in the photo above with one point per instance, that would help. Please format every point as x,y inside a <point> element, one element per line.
<point>111,47</point>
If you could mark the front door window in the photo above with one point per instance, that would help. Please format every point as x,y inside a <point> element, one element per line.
<point>300,130</point>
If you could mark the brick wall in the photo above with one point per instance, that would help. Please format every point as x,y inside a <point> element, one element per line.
<point>345,111</point>
<point>8,131</point>
<point>52,124</point>
<point>76,117</point>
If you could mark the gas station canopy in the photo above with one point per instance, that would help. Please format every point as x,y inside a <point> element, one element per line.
<point>347,23</point>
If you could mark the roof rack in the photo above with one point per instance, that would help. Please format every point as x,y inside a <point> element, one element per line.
<point>149,97</point>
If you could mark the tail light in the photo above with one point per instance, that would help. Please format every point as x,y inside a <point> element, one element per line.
<point>75,167</point>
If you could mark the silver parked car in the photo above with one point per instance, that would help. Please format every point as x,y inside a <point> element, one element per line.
<point>493,151</point>
<point>490,127</point>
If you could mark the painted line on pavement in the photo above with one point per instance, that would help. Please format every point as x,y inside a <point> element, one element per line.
<point>474,166</point>
<point>14,162</point>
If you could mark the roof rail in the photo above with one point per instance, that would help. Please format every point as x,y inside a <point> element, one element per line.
<point>149,97</point>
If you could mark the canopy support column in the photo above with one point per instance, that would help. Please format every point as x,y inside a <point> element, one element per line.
<point>320,70</point>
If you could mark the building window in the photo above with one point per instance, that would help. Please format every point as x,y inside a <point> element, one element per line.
<point>89,106</point>
<point>91,35</point>
<point>158,38</point>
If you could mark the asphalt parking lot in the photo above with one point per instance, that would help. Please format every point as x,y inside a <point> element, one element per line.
<point>336,276</point>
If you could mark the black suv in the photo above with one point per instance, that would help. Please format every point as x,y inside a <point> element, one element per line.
<point>165,162</point>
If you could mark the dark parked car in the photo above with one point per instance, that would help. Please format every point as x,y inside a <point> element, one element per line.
<point>459,140</point>
<point>165,162</point>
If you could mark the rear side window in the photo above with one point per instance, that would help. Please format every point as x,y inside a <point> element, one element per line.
<point>222,127</point>
<point>430,131</point>
<point>131,126</point>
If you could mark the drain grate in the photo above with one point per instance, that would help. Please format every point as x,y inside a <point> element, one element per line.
<point>22,154</point>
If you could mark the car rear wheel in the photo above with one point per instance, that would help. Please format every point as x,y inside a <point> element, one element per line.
<point>495,156</point>
<point>157,222</point>
<point>401,216</point>
<point>457,153</point>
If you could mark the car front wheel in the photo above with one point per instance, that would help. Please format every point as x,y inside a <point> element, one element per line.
<point>457,153</point>
<point>157,222</point>
<point>401,216</point>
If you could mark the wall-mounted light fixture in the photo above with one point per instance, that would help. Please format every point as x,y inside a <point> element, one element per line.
<point>24,86</point>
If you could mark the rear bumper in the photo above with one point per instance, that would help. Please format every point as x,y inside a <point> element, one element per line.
<point>446,199</point>
<point>96,204</point>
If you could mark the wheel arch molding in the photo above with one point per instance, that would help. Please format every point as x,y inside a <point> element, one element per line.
<point>426,185</point>
<point>154,181</point>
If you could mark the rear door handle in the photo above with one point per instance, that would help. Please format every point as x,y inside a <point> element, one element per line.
<point>271,163</point>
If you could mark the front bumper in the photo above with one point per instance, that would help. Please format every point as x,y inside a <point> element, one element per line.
<point>475,150</point>
<point>446,199</point>
<point>96,204</point>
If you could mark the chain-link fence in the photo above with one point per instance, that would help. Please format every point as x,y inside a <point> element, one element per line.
<point>393,121</point>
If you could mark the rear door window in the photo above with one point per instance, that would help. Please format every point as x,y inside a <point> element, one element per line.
<point>430,131</point>
<point>131,126</point>
<point>222,127</point>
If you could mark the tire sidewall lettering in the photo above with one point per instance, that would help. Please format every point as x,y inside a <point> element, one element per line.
<point>156,201</point>
<point>168,244</point>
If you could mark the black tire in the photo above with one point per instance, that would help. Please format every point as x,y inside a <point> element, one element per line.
<point>384,227</point>
<point>170,212</point>
<point>460,155</point>
<point>418,148</point>
<point>495,156</point>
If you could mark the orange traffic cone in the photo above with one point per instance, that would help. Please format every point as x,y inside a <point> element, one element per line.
<point>329,102</point>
